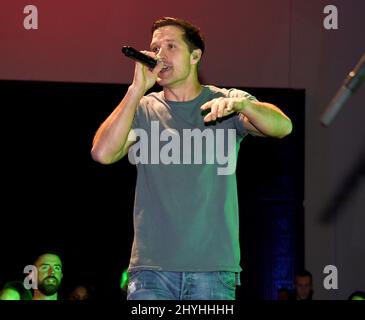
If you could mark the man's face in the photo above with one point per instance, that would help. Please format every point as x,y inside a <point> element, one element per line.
<point>49,273</point>
<point>303,286</point>
<point>169,46</point>
<point>79,293</point>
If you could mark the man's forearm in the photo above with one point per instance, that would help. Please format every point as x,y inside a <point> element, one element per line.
<point>112,135</point>
<point>267,118</point>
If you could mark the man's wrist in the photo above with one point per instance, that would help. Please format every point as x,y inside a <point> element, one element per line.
<point>135,91</point>
<point>243,104</point>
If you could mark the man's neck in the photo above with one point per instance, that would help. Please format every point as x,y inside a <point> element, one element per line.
<point>185,93</point>
<point>40,296</point>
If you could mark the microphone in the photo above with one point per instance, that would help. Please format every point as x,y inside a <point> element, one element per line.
<point>349,86</point>
<point>139,56</point>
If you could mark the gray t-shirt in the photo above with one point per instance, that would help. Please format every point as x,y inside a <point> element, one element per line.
<point>186,210</point>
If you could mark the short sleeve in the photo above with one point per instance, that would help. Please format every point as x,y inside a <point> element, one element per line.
<point>236,93</point>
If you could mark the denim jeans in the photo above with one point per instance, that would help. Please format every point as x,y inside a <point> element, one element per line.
<point>165,285</point>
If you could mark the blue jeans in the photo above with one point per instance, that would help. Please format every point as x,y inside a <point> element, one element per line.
<point>165,285</point>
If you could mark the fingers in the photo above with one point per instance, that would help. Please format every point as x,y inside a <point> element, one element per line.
<point>219,107</point>
<point>230,106</point>
<point>144,77</point>
<point>215,109</point>
<point>157,68</point>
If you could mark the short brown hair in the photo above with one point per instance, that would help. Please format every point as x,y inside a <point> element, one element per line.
<point>192,34</point>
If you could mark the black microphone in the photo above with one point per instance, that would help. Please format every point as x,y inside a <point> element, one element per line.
<point>349,86</point>
<point>139,56</point>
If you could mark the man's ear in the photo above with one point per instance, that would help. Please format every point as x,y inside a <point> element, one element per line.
<point>195,56</point>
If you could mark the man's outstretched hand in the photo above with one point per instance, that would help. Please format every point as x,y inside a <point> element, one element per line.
<point>221,107</point>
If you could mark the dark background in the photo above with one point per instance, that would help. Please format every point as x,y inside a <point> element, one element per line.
<point>54,196</point>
